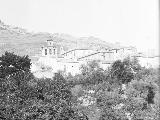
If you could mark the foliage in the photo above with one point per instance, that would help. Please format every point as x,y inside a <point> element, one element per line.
<point>77,90</point>
<point>15,94</point>
<point>11,63</point>
<point>107,102</point>
<point>23,97</point>
<point>91,73</point>
<point>124,71</point>
<point>143,100</point>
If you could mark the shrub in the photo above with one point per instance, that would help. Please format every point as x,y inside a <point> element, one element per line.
<point>11,63</point>
<point>124,71</point>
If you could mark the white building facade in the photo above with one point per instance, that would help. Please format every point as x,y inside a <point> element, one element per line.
<point>69,61</point>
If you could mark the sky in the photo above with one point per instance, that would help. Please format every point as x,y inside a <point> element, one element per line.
<point>129,22</point>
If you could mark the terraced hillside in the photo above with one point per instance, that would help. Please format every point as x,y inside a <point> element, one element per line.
<point>21,42</point>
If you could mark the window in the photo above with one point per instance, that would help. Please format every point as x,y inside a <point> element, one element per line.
<point>65,68</point>
<point>74,53</point>
<point>109,55</point>
<point>50,51</point>
<point>103,56</point>
<point>45,51</point>
<point>61,50</point>
<point>54,51</point>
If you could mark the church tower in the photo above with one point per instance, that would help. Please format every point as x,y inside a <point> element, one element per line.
<point>50,50</point>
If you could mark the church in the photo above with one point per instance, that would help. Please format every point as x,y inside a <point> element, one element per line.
<point>52,50</point>
<point>70,60</point>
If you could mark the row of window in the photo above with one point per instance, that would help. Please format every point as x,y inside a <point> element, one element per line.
<point>50,51</point>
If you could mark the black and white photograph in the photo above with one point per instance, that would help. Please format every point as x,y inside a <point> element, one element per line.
<point>79,60</point>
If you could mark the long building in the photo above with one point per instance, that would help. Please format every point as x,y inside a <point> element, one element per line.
<point>70,60</point>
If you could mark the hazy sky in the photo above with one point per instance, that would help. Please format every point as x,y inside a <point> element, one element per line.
<point>130,22</point>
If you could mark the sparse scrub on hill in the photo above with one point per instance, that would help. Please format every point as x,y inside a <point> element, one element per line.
<point>29,43</point>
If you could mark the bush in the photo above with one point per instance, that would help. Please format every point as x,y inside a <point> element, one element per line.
<point>124,71</point>
<point>143,100</point>
<point>91,74</point>
<point>11,63</point>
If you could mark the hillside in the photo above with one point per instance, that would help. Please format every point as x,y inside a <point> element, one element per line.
<point>18,40</point>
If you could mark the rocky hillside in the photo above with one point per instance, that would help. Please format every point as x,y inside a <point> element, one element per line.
<point>18,40</point>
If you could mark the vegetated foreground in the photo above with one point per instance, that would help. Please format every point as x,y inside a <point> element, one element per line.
<point>125,91</point>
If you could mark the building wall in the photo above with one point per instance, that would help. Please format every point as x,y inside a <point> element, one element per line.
<point>122,53</point>
<point>70,55</point>
<point>47,61</point>
<point>129,52</point>
<point>49,51</point>
<point>92,57</point>
<point>149,62</point>
<point>102,56</point>
<point>72,68</point>
<point>68,67</point>
<point>50,43</point>
<point>52,58</point>
<point>109,57</point>
<point>105,66</point>
<point>118,54</point>
<point>77,53</point>
<point>80,53</point>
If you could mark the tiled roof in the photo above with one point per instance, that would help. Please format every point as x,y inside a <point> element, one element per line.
<point>94,54</point>
<point>75,49</point>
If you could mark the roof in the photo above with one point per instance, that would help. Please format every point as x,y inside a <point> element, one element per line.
<point>49,40</point>
<point>94,54</point>
<point>145,55</point>
<point>76,49</point>
<point>121,47</point>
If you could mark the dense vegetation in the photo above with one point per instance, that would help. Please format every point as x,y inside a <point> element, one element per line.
<point>125,91</point>
<point>11,63</point>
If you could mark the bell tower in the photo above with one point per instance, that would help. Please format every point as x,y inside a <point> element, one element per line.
<point>50,50</point>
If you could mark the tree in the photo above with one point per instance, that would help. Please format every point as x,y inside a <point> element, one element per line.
<point>124,71</point>
<point>15,95</point>
<point>25,98</point>
<point>53,101</point>
<point>91,73</point>
<point>11,63</point>
<point>143,100</point>
<point>111,104</point>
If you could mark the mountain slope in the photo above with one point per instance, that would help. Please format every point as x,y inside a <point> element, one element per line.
<point>21,42</point>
